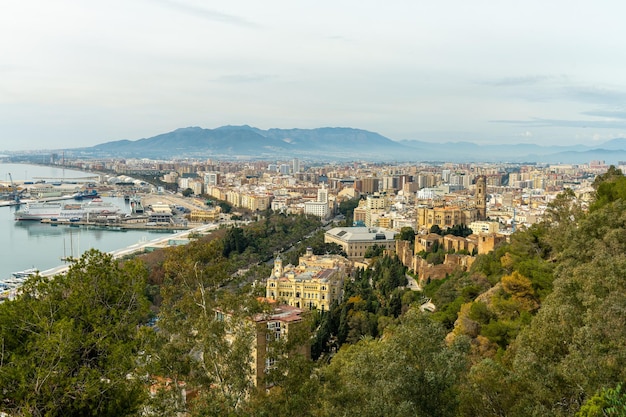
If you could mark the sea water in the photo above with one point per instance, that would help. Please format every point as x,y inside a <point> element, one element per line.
<point>31,244</point>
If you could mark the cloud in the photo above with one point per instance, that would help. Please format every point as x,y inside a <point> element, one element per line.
<point>524,80</point>
<point>339,38</point>
<point>539,122</point>
<point>208,14</point>
<point>596,95</point>
<point>244,78</point>
<point>612,114</point>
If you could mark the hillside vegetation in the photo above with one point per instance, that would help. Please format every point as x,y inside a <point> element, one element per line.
<point>535,328</point>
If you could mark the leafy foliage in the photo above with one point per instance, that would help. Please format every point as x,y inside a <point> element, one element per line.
<point>68,343</point>
<point>458,230</point>
<point>410,371</point>
<point>346,207</point>
<point>575,345</point>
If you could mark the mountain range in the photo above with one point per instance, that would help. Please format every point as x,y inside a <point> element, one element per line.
<point>339,144</point>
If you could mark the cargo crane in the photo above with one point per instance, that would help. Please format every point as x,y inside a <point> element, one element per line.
<point>15,194</point>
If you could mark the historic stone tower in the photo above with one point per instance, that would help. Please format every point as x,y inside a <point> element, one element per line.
<point>481,197</point>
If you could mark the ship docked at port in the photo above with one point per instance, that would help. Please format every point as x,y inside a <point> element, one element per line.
<point>66,211</point>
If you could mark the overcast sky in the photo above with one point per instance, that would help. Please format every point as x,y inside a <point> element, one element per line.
<point>78,73</point>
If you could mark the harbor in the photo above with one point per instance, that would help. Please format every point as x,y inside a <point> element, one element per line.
<point>43,244</point>
<point>10,287</point>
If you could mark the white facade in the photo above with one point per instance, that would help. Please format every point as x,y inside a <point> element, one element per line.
<point>317,208</point>
<point>484,227</point>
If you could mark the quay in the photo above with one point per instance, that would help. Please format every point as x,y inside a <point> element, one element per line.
<point>160,242</point>
<point>10,287</point>
<point>143,224</point>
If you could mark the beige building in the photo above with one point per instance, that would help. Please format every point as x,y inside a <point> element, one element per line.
<point>315,283</point>
<point>445,216</point>
<point>254,202</point>
<point>205,216</point>
<point>359,214</point>
<point>355,241</point>
<point>274,326</point>
<point>266,327</point>
<point>45,191</point>
<point>161,207</point>
<point>486,242</point>
<point>483,226</point>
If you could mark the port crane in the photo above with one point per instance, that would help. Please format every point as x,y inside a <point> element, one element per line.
<point>15,194</point>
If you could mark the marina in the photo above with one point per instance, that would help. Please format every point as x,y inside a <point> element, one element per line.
<point>32,244</point>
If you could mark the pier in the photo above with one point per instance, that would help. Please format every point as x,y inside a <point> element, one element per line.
<point>10,287</point>
<point>160,242</point>
<point>130,225</point>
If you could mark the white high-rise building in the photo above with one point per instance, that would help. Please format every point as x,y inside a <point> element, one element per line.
<point>320,207</point>
<point>322,194</point>
<point>211,178</point>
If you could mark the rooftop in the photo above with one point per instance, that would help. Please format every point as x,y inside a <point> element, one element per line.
<point>362,233</point>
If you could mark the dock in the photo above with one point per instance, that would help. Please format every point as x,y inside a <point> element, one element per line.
<point>10,288</point>
<point>127,225</point>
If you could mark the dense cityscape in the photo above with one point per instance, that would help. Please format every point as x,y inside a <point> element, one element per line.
<point>312,209</point>
<point>290,268</point>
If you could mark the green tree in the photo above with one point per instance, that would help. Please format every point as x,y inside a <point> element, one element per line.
<point>406,233</point>
<point>346,207</point>
<point>436,229</point>
<point>610,402</point>
<point>410,371</point>
<point>374,251</point>
<point>71,345</point>
<point>205,337</point>
<point>458,230</point>
<point>575,345</point>
<point>610,175</point>
<point>225,206</point>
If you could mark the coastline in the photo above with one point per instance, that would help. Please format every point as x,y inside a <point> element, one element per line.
<point>179,238</point>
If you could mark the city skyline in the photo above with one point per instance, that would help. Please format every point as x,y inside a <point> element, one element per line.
<point>78,74</point>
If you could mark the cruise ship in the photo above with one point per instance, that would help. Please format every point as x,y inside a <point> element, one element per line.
<point>67,211</point>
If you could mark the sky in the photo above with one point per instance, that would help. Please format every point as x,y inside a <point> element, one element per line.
<point>78,73</point>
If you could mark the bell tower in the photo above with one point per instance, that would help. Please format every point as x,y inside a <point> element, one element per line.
<point>481,197</point>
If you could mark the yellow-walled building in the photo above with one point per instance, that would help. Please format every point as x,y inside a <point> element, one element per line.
<point>314,284</point>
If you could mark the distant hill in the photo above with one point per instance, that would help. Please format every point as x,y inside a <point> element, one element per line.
<point>245,141</point>
<point>336,144</point>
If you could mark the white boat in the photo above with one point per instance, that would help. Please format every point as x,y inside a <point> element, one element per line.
<point>25,273</point>
<point>60,210</point>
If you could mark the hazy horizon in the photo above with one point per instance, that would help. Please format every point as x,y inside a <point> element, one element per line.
<point>80,74</point>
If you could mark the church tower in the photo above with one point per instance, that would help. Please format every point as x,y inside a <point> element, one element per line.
<point>481,197</point>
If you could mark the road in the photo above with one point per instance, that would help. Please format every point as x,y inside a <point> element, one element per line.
<point>413,285</point>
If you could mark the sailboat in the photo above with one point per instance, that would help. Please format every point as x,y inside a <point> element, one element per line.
<point>70,258</point>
